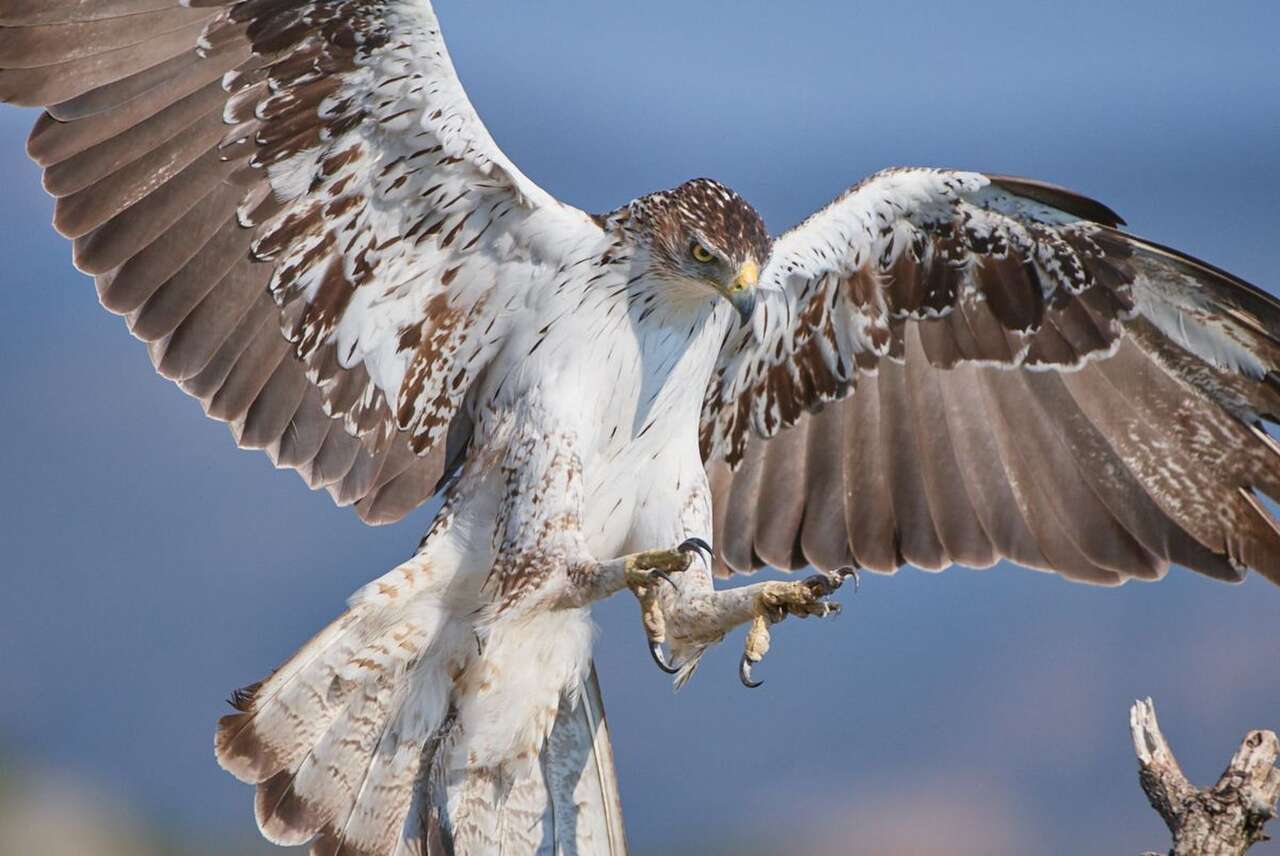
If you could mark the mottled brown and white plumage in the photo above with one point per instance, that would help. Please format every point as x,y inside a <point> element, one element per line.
<point>295,205</point>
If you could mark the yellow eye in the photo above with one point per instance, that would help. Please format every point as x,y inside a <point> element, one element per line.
<point>701,254</point>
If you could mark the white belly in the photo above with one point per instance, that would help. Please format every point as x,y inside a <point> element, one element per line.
<point>641,501</point>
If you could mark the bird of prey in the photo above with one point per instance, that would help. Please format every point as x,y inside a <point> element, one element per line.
<point>295,205</point>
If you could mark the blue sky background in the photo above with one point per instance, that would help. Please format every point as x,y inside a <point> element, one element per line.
<point>150,567</point>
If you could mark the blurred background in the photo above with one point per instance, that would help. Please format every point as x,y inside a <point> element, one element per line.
<point>150,567</point>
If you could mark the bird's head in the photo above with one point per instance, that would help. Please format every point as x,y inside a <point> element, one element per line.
<point>702,236</point>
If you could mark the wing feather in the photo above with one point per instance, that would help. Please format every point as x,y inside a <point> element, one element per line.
<point>78,72</point>
<point>298,209</point>
<point>900,446</point>
<point>775,534</point>
<point>869,511</point>
<point>998,372</point>
<point>961,535</point>
<point>982,469</point>
<point>741,505</point>
<point>824,491</point>
<point>30,13</point>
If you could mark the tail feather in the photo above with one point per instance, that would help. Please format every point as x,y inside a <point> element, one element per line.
<point>284,715</point>
<point>580,773</point>
<point>403,728</point>
<point>566,804</point>
<point>376,822</point>
<point>296,804</point>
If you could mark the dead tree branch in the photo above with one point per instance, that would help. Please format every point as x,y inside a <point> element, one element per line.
<point>1224,820</point>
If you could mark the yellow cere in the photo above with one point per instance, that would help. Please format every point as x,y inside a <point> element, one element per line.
<point>748,275</point>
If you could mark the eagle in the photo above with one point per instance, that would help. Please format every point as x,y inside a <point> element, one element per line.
<point>294,204</point>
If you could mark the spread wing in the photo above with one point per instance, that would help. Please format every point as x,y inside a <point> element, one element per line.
<point>233,170</point>
<point>958,368</point>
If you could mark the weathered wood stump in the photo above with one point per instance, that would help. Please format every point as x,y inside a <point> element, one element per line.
<point>1224,820</point>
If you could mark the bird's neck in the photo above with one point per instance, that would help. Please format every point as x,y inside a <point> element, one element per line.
<point>653,363</point>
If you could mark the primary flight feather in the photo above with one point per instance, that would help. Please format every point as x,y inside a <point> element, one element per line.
<point>294,203</point>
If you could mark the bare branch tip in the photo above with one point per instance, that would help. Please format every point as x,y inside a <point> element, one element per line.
<point>1225,820</point>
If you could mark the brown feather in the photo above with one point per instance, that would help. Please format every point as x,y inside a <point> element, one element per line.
<point>114,107</point>
<point>741,507</point>
<point>899,448</point>
<point>1058,197</point>
<point>31,13</point>
<point>822,538</point>
<point>783,508</point>
<point>250,374</point>
<point>205,383</point>
<point>982,469</point>
<point>960,533</point>
<point>391,501</point>
<point>868,499</point>
<point>1037,501</point>
<point>143,140</point>
<point>306,431</point>
<point>50,84</point>
<point>176,298</point>
<point>50,44</point>
<point>128,287</point>
<point>81,212</point>
<point>274,408</point>
<point>196,341</point>
<point>337,455</point>
<point>1065,496</point>
<point>1110,477</point>
<point>126,233</point>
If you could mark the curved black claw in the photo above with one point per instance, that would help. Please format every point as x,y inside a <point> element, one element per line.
<point>662,575</point>
<point>697,545</point>
<point>846,573</point>
<point>655,650</point>
<point>744,673</point>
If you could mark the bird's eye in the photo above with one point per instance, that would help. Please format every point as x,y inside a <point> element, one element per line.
<point>701,254</point>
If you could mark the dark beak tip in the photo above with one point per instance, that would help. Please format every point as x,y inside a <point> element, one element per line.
<point>745,304</point>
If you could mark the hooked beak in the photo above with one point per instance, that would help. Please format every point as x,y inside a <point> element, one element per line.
<point>742,291</point>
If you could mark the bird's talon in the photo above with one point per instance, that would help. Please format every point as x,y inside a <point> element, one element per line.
<point>699,546</point>
<point>655,650</point>
<point>659,574</point>
<point>822,585</point>
<point>642,574</point>
<point>757,645</point>
<point>845,573</point>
